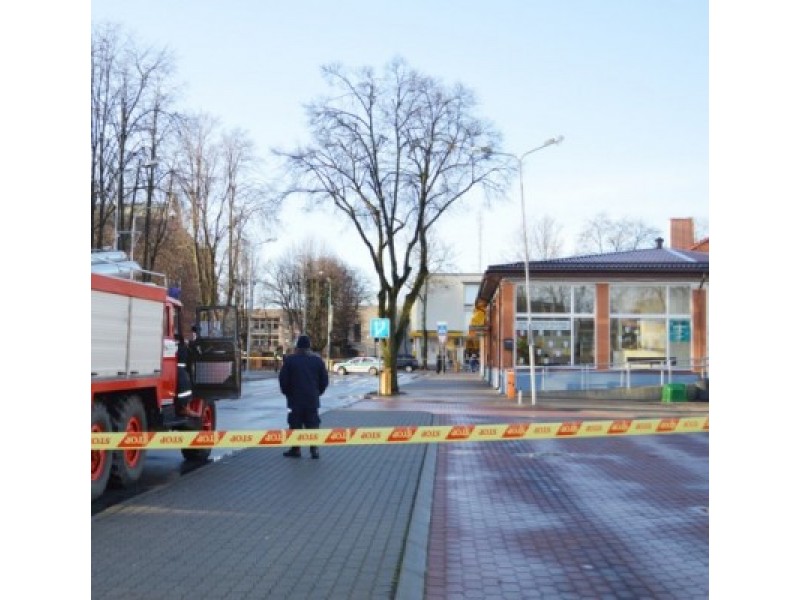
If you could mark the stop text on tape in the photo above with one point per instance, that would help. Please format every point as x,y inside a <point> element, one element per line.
<point>415,434</point>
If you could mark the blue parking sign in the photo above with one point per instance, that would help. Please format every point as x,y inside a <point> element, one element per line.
<point>379,328</point>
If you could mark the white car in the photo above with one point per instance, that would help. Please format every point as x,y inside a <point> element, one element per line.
<point>359,364</point>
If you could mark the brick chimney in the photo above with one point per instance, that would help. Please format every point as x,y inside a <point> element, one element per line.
<point>681,233</point>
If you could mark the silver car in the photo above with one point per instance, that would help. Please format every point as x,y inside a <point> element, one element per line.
<point>359,364</point>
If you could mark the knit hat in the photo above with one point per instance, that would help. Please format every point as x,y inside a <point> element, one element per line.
<point>303,341</point>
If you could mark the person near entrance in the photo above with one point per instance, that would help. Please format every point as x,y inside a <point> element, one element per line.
<point>303,378</point>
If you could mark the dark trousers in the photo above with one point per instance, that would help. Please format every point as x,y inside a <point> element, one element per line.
<point>304,418</point>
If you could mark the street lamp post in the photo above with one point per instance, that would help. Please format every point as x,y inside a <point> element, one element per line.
<point>330,314</point>
<point>519,159</point>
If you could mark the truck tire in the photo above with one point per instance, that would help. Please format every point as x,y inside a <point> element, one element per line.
<point>127,415</point>
<point>206,422</point>
<point>101,459</point>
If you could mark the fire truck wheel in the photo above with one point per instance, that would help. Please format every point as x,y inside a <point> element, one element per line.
<point>101,459</point>
<point>128,416</point>
<point>207,422</point>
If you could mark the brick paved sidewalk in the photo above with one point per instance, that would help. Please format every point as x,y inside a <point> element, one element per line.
<point>579,518</point>
<point>257,525</point>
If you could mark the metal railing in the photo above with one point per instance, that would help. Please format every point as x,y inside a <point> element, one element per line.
<point>608,376</point>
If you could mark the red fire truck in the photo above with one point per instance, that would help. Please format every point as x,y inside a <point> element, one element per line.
<point>134,365</point>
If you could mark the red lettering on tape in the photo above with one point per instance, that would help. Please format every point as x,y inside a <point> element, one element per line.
<point>402,434</point>
<point>136,440</point>
<point>569,428</point>
<point>667,425</point>
<point>271,436</point>
<point>460,432</point>
<point>240,438</point>
<point>487,431</point>
<point>516,430</point>
<point>621,426</point>
<point>337,436</point>
<point>206,438</point>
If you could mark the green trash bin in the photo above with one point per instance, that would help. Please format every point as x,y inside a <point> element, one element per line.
<point>673,392</point>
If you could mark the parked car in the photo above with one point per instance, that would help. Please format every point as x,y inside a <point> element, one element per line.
<point>406,362</point>
<point>359,364</point>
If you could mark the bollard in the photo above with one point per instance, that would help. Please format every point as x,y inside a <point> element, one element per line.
<point>510,385</point>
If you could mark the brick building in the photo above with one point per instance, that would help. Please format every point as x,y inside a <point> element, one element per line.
<point>598,313</point>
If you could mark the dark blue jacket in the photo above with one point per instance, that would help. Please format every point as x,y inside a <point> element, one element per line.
<point>303,379</point>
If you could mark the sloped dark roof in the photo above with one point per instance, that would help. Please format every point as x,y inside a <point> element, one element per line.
<point>664,262</point>
<point>651,259</point>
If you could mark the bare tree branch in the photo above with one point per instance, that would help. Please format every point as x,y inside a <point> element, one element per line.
<point>393,152</point>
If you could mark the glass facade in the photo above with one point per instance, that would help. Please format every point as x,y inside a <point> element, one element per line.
<point>562,324</point>
<point>650,325</point>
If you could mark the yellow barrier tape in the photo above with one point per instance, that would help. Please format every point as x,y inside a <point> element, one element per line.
<point>353,436</point>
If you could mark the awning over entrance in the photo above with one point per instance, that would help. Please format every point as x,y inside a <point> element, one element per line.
<point>477,324</point>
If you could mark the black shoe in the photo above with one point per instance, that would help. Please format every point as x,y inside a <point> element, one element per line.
<point>293,453</point>
<point>314,453</point>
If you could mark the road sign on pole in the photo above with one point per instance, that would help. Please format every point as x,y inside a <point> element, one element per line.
<point>379,328</point>
<point>441,330</point>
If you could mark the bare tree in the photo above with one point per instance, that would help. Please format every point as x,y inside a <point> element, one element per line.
<point>104,51</point>
<point>297,283</point>
<point>545,241</point>
<point>197,171</point>
<point>247,202</point>
<point>602,234</point>
<point>393,153</point>
<point>128,90</point>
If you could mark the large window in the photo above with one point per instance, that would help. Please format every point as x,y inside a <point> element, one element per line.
<point>650,325</point>
<point>638,299</point>
<point>562,324</point>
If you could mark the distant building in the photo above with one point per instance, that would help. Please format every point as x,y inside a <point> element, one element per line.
<point>269,331</point>
<point>446,303</point>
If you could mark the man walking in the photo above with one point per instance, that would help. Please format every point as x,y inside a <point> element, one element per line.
<point>303,379</point>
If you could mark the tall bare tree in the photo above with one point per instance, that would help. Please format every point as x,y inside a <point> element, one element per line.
<point>247,201</point>
<point>104,52</point>
<point>602,234</point>
<point>393,152</point>
<point>197,170</point>
<point>126,81</point>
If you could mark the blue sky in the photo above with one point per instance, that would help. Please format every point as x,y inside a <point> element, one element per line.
<point>624,81</point>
